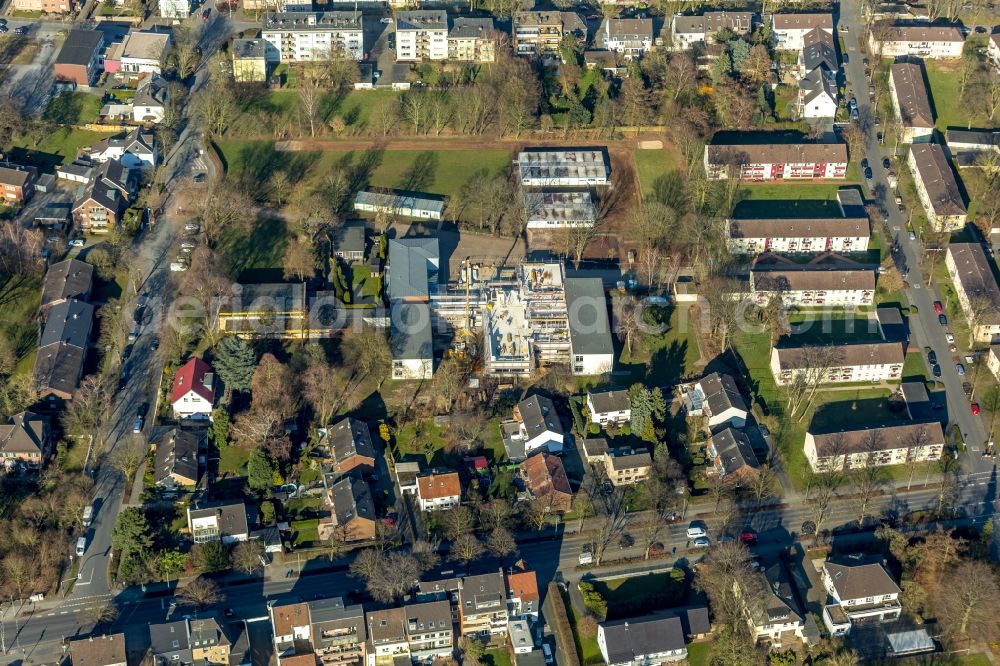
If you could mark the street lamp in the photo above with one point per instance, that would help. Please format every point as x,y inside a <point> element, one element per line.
<point>683,491</point>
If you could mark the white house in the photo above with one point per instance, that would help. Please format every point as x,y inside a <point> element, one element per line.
<point>641,641</point>
<point>218,521</point>
<point>687,31</point>
<point>828,280</point>
<point>797,235</point>
<point>788,30</point>
<point>411,341</point>
<point>717,397</point>
<point>305,36</point>
<point>818,94</point>
<point>535,426</point>
<point>135,150</point>
<point>609,407</point>
<point>193,394</point>
<point>630,37</point>
<point>776,161</point>
<point>993,49</point>
<point>937,188</point>
<point>142,52</point>
<point>857,362</point>
<point>590,346</point>
<point>924,41</point>
<point>774,614</point>
<point>876,445</point>
<point>421,35</point>
<point>863,592</point>
<point>439,492</point>
<point>175,9</point>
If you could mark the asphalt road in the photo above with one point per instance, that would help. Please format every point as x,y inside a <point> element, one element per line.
<point>925,331</point>
<point>38,636</point>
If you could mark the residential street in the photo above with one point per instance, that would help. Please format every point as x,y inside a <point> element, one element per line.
<point>924,326</point>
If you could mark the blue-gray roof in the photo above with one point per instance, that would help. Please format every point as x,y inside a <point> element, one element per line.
<point>412,267</point>
<point>411,337</point>
<point>589,330</point>
<point>400,199</point>
<point>68,322</point>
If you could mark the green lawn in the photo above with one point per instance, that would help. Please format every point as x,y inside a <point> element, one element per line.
<point>354,108</point>
<point>424,438</point>
<point>305,531</point>
<point>73,108</point>
<point>255,255</point>
<point>651,164</point>
<point>587,648</point>
<point>914,367</point>
<point>942,75</point>
<point>666,357</point>
<point>19,299</point>
<point>436,172</point>
<point>698,653</point>
<point>828,327</point>
<point>796,195</point>
<point>496,657</point>
<point>233,461</point>
<point>51,150</point>
<point>637,595</point>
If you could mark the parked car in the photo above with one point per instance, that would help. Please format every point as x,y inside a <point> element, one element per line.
<point>949,337</point>
<point>385,20</point>
<point>696,529</point>
<point>912,235</point>
<point>81,546</point>
<point>932,357</point>
<point>868,173</point>
<point>749,537</point>
<point>191,226</point>
<point>936,370</point>
<point>21,31</point>
<point>137,424</point>
<point>77,242</point>
<point>938,308</point>
<point>960,369</point>
<point>975,409</point>
<point>943,320</point>
<point>967,389</point>
<point>205,14</point>
<point>855,115</point>
<point>702,542</point>
<point>886,163</point>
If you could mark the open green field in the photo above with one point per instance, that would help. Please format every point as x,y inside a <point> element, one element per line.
<point>19,299</point>
<point>495,657</point>
<point>254,255</point>
<point>943,77</point>
<point>651,164</point>
<point>51,150</point>
<point>914,367</point>
<point>791,199</point>
<point>73,108</point>
<point>637,595</point>
<point>826,327</point>
<point>354,108</point>
<point>436,172</point>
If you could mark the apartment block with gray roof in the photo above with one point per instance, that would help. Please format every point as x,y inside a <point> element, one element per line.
<point>483,605</point>
<point>62,350</point>
<point>937,187</point>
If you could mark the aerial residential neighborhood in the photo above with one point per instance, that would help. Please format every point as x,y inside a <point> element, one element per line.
<point>499,334</point>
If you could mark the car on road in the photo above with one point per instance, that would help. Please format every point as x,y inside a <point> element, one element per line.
<point>387,19</point>
<point>936,370</point>
<point>967,389</point>
<point>855,115</point>
<point>975,409</point>
<point>77,242</point>
<point>137,424</point>
<point>912,235</point>
<point>943,320</point>
<point>853,104</point>
<point>21,31</point>
<point>696,529</point>
<point>886,163</point>
<point>938,309</point>
<point>865,62</point>
<point>199,177</point>
<point>547,654</point>
<point>3,21</point>
<point>207,13</point>
<point>81,546</point>
<point>932,357</point>
<point>868,173</point>
<point>3,29</point>
<point>864,163</point>
<point>843,27</point>
<point>960,369</point>
<point>878,137</point>
<point>949,337</point>
<point>702,542</point>
<point>749,537</point>
<point>88,515</point>
<point>143,408</point>
<point>191,226</point>
<point>155,344</point>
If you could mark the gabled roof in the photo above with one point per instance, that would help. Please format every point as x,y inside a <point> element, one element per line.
<point>721,393</point>
<point>352,498</point>
<point>539,415</point>
<point>15,174</point>
<point>98,650</point>
<point>903,435</point>
<point>484,593</point>
<point>350,437</point>
<point>914,103</point>
<point>544,474</point>
<point>523,585</point>
<point>610,401</point>
<point>195,375</point>
<point>802,21</point>
<point>860,581</point>
<point>177,454</point>
<point>819,50</point>
<point>231,516</point>
<point>850,355</point>
<point>422,19</point>
<point>734,452</point>
<point>67,279</point>
<point>975,277</point>
<point>163,636</point>
<point>24,433</point>
<point>633,639</point>
<point>209,631</point>
<point>628,459</point>
<point>819,82</point>
<point>439,486</point>
<point>778,603</point>
<point>464,27</point>
<point>68,322</point>
<point>411,267</point>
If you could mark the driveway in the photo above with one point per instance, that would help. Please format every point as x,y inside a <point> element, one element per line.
<point>925,331</point>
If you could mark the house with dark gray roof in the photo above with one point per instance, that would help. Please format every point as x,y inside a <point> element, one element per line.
<point>224,521</point>
<point>483,605</point>
<point>67,279</point>
<point>352,511</point>
<point>730,456</point>
<point>412,277</point>
<point>62,350</point>
<point>650,639</point>
<point>170,643</point>
<point>177,462</point>
<point>339,632</point>
<point>25,438</point>
<point>718,398</point>
<point>591,348</point>
<point>862,591</point>
<point>350,241</point>
<point>535,426</point>
<point>79,60</point>
<point>350,443</point>
<point>771,608</point>
<point>606,407</point>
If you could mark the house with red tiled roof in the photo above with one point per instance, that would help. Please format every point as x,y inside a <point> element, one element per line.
<point>546,481</point>
<point>194,390</point>
<point>438,492</point>
<point>522,592</point>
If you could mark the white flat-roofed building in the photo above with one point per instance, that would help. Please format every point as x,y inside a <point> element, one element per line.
<point>937,188</point>
<point>976,288</point>
<point>559,210</point>
<point>399,202</point>
<point>925,41</point>
<point>421,35</point>
<point>874,445</point>
<point>543,167</point>
<point>857,362</point>
<point>309,36</point>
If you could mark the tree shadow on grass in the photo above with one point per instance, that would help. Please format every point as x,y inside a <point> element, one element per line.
<point>255,256</point>
<point>666,367</point>
<point>421,173</point>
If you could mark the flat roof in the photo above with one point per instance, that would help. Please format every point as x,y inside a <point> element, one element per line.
<point>79,47</point>
<point>587,306</point>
